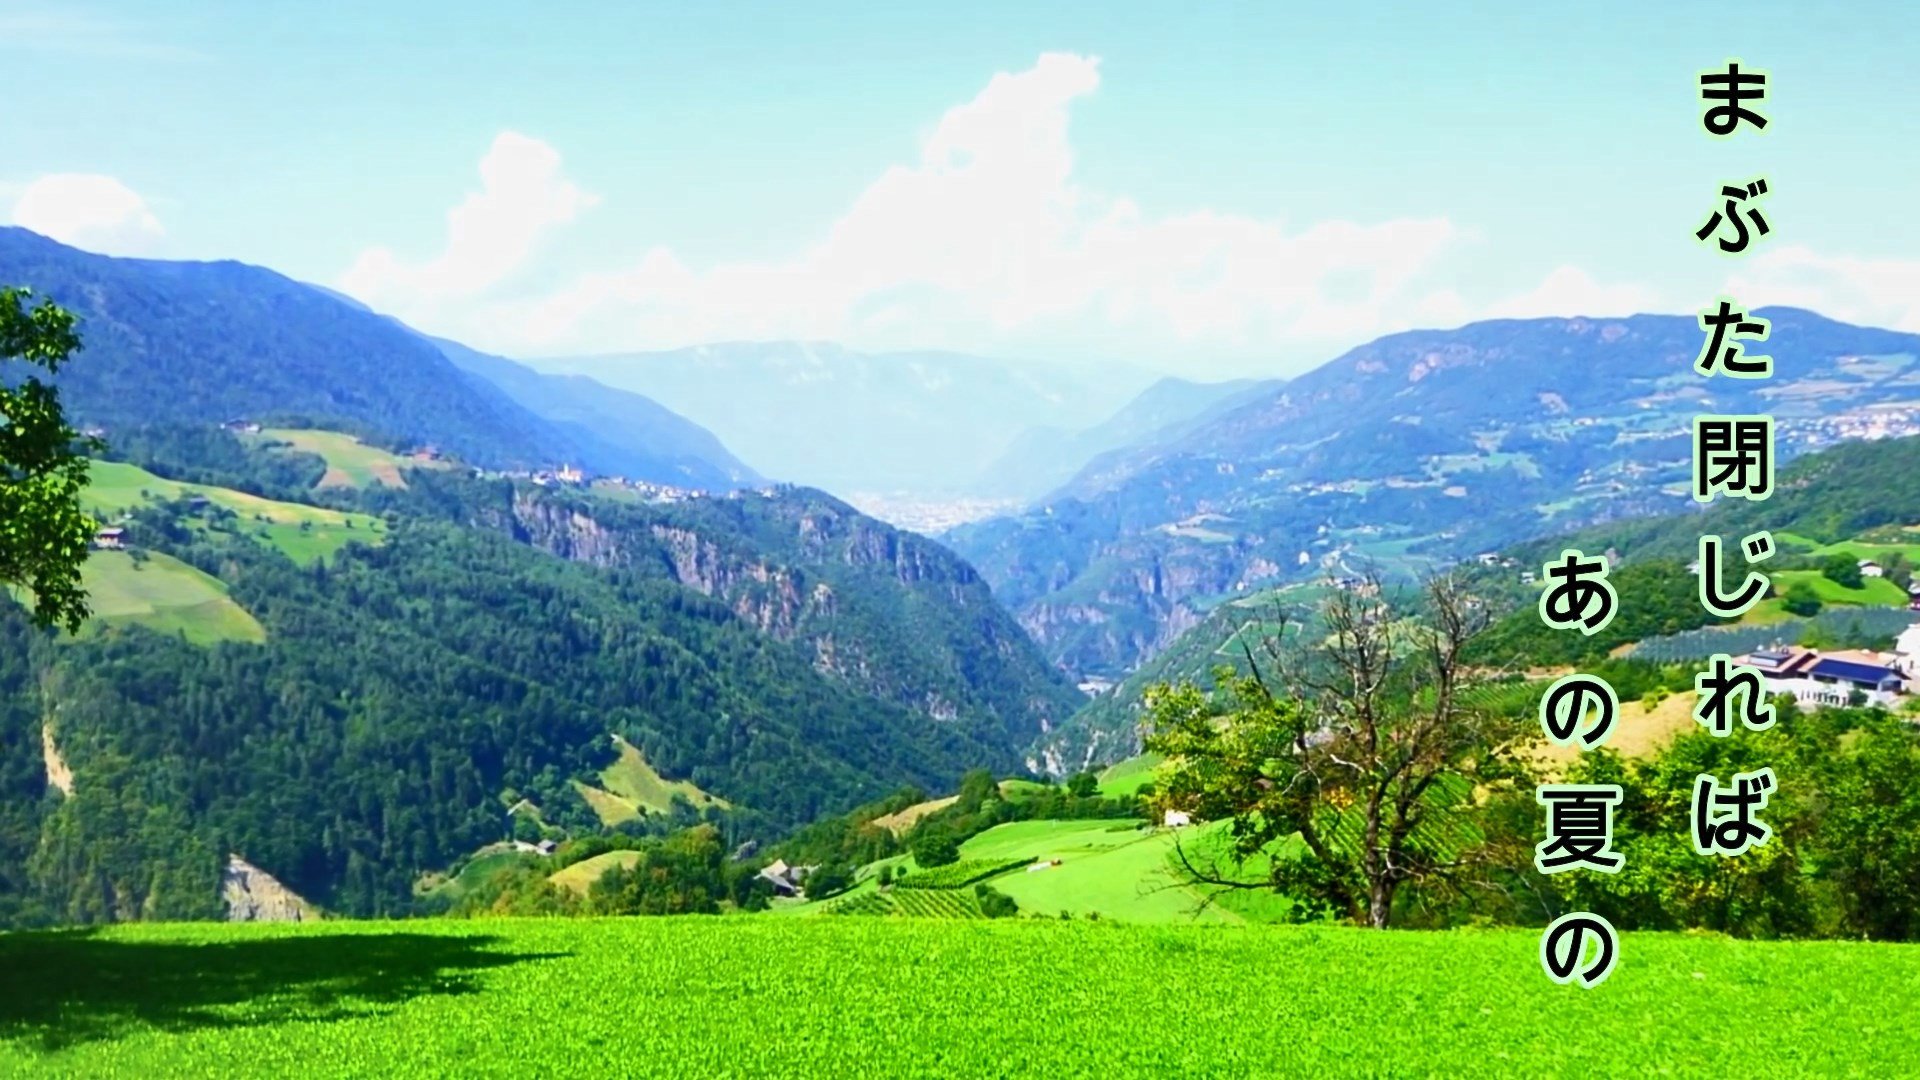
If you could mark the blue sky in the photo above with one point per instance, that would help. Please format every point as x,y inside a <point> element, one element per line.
<point>1238,190</point>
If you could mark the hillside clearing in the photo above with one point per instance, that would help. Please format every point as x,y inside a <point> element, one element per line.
<point>1009,997</point>
<point>350,462</point>
<point>898,823</point>
<point>581,875</point>
<point>305,534</point>
<point>1638,732</point>
<point>630,786</point>
<point>1127,777</point>
<point>165,595</point>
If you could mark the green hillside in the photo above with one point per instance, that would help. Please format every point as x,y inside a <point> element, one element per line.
<point>630,787</point>
<point>1129,776</point>
<point>1024,997</point>
<point>1108,870</point>
<point>413,670</point>
<point>471,875</point>
<point>164,594</point>
<point>305,534</point>
<point>350,462</point>
<point>581,875</point>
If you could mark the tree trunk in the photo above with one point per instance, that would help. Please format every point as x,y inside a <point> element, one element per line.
<point>1380,905</point>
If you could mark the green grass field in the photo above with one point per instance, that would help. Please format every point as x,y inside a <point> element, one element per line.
<point>305,534</point>
<point>747,996</point>
<point>1129,776</point>
<point>1127,876</point>
<point>1873,592</point>
<point>1109,868</point>
<point>350,462</point>
<point>1856,548</point>
<point>164,594</point>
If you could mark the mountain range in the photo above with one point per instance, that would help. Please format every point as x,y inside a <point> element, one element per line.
<point>1414,449</point>
<point>205,343</point>
<point>1835,501</point>
<point>352,668</point>
<point>1043,458</point>
<point>855,423</point>
<point>354,673</point>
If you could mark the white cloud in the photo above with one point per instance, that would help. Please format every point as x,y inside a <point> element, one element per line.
<point>987,234</point>
<point>88,211</point>
<point>490,234</point>
<point>1874,292</point>
<point>1569,290</point>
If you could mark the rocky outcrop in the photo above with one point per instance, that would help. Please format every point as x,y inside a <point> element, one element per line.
<point>563,530</point>
<point>253,895</point>
<point>767,597</point>
<point>59,776</point>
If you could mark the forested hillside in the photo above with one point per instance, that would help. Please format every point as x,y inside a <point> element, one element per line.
<point>472,650</point>
<point>886,610</point>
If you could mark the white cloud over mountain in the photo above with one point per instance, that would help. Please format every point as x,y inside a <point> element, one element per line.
<point>1877,292</point>
<point>987,238</point>
<point>85,210</point>
<point>490,234</point>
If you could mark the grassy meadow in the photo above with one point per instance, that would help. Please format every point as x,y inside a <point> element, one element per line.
<point>305,534</point>
<point>350,462</point>
<point>164,594</point>
<point>758,995</point>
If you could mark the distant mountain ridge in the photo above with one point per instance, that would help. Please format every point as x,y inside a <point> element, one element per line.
<point>851,422</point>
<point>207,342</point>
<point>1044,458</point>
<point>620,431</point>
<point>1421,446</point>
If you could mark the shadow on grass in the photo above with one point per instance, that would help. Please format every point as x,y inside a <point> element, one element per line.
<point>64,987</point>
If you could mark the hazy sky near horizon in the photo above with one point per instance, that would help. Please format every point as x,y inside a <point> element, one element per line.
<point>1215,192</point>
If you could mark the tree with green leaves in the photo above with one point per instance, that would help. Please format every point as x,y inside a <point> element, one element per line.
<point>1800,599</point>
<point>1370,739</point>
<point>828,879</point>
<point>976,787</point>
<point>1842,569</point>
<point>1084,785</point>
<point>934,846</point>
<point>44,534</point>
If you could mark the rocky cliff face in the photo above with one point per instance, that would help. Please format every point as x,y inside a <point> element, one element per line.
<point>253,895</point>
<point>773,599</point>
<point>562,530</point>
<point>892,612</point>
